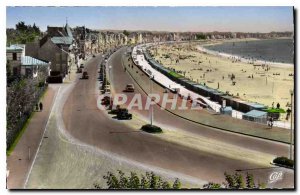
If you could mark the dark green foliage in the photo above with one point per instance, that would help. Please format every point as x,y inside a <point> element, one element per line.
<point>236,181</point>
<point>148,181</point>
<point>153,181</point>
<point>230,181</point>
<point>284,161</point>
<point>240,184</point>
<point>250,181</point>
<point>22,34</point>
<point>125,32</point>
<point>22,95</point>
<point>177,184</point>
<point>151,128</point>
<point>212,185</point>
<point>200,36</point>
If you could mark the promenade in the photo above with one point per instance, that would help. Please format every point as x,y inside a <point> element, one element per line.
<point>20,160</point>
<point>205,117</point>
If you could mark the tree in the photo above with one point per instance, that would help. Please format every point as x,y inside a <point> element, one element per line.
<point>148,181</point>
<point>230,181</point>
<point>250,181</point>
<point>240,184</point>
<point>125,32</point>
<point>212,185</point>
<point>20,26</point>
<point>200,36</point>
<point>22,34</point>
<point>177,184</point>
<point>236,181</point>
<point>153,181</point>
<point>36,29</point>
<point>111,181</point>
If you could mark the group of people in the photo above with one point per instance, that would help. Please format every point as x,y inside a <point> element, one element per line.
<point>39,107</point>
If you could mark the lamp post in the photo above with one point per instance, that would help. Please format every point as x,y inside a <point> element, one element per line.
<point>151,88</point>
<point>110,80</point>
<point>291,138</point>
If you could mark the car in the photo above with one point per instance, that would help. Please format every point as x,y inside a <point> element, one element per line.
<point>105,98</point>
<point>123,114</point>
<point>81,66</point>
<point>129,88</point>
<point>94,56</point>
<point>79,70</point>
<point>116,110</point>
<point>85,75</point>
<point>107,91</point>
<point>105,102</point>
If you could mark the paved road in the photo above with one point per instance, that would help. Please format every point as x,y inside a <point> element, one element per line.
<point>88,124</point>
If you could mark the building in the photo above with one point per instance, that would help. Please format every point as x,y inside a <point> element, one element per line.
<point>256,116</point>
<point>58,47</point>
<point>22,65</point>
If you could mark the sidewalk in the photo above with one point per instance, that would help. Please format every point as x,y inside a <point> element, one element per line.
<point>20,160</point>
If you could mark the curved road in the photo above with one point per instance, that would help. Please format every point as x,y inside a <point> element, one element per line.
<point>90,125</point>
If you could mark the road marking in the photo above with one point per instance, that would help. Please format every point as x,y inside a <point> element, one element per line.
<point>28,174</point>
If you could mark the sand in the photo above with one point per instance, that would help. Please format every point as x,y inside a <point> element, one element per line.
<point>214,70</point>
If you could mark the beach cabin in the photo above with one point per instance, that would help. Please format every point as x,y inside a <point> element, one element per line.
<point>226,110</point>
<point>256,116</point>
<point>256,106</point>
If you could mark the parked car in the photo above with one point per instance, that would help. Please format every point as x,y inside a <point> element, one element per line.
<point>79,70</point>
<point>123,114</point>
<point>81,66</point>
<point>94,56</point>
<point>106,100</point>
<point>85,75</point>
<point>116,110</point>
<point>129,88</point>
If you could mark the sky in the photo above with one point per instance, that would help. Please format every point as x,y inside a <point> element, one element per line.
<point>179,19</point>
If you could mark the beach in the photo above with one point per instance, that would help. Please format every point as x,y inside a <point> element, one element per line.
<point>258,81</point>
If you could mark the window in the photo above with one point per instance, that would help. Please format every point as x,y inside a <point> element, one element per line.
<point>14,56</point>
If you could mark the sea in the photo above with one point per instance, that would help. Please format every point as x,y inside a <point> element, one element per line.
<point>270,50</point>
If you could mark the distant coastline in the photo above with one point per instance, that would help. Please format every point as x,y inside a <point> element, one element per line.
<point>237,57</point>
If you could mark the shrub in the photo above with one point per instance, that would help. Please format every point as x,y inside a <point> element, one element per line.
<point>284,161</point>
<point>151,128</point>
<point>133,181</point>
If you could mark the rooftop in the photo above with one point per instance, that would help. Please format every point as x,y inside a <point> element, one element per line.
<point>62,40</point>
<point>255,113</point>
<point>30,61</point>
<point>15,48</point>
